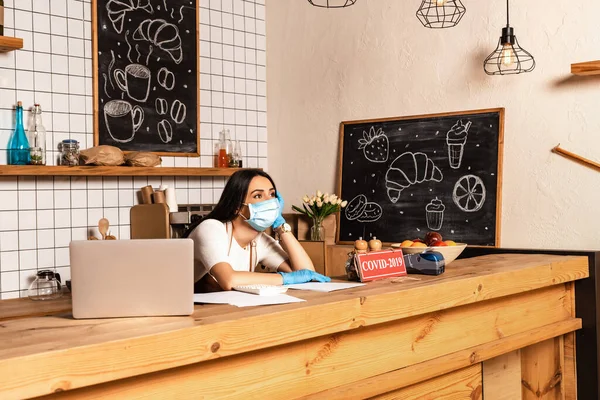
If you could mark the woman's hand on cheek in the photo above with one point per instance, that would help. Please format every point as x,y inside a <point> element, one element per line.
<point>280,220</point>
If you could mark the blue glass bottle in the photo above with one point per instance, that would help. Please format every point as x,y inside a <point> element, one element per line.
<point>18,146</point>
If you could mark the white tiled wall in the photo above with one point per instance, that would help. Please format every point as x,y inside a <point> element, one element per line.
<point>39,216</point>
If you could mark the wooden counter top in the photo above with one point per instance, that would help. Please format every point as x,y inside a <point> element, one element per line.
<point>48,354</point>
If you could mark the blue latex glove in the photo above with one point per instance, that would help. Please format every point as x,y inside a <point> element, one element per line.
<point>279,221</point>
<point>302,276</point>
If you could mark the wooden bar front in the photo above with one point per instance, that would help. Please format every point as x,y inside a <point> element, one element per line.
<point>496,325</point>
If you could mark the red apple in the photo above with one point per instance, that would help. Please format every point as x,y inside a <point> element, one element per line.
<point>431,237</point>
<point>438,243</point>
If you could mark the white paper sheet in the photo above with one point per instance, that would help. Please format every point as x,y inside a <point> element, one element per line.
<point>240,299</point>
<point>324,286</point>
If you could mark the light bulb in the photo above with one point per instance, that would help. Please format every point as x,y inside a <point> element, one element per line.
<point>509,57</point>
<point>440,3</point>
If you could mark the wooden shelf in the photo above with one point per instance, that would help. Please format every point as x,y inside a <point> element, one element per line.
<point>586,68</point>
<point>10,44</point>
<point>35,170</point>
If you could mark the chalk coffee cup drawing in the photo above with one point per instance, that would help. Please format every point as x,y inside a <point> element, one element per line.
<point>122,120</point>
<point>135,80</point>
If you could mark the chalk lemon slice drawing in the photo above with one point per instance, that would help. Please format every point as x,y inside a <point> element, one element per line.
<point>409,169</point>
<point>469,193</point>
<point>375,145</point>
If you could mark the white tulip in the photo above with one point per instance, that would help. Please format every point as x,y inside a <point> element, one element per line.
<point>319,203</point>
<point>311,202</point>
<point>305,199</point>
<point>319,194</point>
<point>344,203</point>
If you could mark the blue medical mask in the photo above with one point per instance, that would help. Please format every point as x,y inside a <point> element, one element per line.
<point>263,214</point>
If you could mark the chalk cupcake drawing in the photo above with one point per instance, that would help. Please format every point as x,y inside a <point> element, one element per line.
<point>361,210</point>
<point>456,139</point>
<point>469,193</point>
<point>409,169</point>
<point>375,145</point>
<point>434,213</point>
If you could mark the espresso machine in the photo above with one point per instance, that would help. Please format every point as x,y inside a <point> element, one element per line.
<point>154,221</point>
<point>186,215</point>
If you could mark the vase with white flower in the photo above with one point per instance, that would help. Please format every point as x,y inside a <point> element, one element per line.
<point>317,208</point>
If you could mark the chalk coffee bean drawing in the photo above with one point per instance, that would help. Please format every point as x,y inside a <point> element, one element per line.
<point>162,107</point>
<point>361,210</point>
<point>178,111</point>
<point>165,131</point>
<point>166,78</point>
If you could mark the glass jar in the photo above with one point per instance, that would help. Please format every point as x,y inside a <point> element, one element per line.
<point>46,286</point>
<point>69,152</point>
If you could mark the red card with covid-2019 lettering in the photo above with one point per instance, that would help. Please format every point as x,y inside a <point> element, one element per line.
<point>380,264</point>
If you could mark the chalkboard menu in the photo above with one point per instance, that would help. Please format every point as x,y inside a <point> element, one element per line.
<point>406,176</point>
<point>146,75</point>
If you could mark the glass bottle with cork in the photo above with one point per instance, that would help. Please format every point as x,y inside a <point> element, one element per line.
<point>18,145</point>
<point>237,154</point>
<point>1,17</point>
<point>225,149</point>
<point>37,137</point>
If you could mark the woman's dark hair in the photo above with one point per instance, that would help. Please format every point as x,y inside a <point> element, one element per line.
<point>233,196</point>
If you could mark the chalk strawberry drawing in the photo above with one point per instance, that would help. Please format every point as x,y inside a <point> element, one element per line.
<point>375,145</point>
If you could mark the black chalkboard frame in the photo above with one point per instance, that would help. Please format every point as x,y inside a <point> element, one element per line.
<point>457,114</point>
<point>96,77</point>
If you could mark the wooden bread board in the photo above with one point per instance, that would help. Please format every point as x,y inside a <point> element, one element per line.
<point>150,221</point>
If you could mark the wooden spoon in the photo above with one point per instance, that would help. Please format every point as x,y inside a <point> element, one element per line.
<point>103,227</point>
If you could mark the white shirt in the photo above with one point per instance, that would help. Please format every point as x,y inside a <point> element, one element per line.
<point>212,240</point>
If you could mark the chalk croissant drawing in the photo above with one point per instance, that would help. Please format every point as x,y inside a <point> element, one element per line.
<point>469,193</point>
<point>375,145</point>
<point>163,35</point>
<point>117,9</point>
<point>360,209</point>
<point>409,169</point>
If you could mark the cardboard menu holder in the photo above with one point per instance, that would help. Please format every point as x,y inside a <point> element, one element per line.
<point>377,265</point>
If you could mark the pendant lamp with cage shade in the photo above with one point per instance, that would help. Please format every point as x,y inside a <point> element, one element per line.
<point>438,14</point>
<point>332,3</point>
<point>509,58</point>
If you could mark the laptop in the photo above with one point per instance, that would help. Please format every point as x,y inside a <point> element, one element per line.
<point>132,278</point>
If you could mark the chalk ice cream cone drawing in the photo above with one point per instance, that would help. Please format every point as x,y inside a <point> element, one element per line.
<point>456,139</point>
<point>375,145</point>
<point>409,169</point>
<point>434,212</point>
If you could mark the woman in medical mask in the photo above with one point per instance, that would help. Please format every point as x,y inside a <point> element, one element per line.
<point>230,241</point>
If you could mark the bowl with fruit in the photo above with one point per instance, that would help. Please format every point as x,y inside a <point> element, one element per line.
<point>432,241</point>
